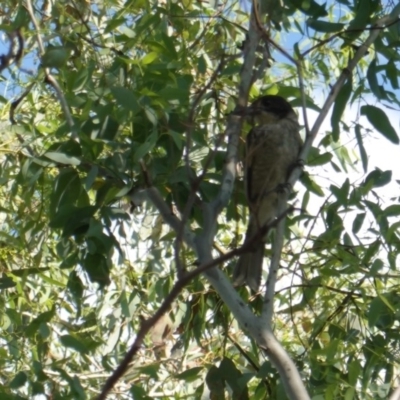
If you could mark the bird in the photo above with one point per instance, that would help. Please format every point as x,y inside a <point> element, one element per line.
<point>272,149</point>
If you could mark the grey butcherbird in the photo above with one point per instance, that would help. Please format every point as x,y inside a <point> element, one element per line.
<point>272,148</point>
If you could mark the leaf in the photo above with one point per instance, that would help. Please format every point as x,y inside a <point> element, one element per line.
<point>392,210</point>
<point>19,380</point>
<point>215,383</point>
<point>66,190</point>
<point>191,374</point>
<point>324,26</point>
<point>311,185</point>
<point>149,58</point>
<point>70,218</point>
<point>34,326</point>
<point>363,152</point>
<point>310,7</point>
<point>372,77</point>
<point>377,265</point>
<point>62,158</point>
<point>357,223</point>
<point>125,98</point>
<point>97,268</point>
<point>177,137</point>
<point>75,285</point>
<point>55,57</point>
<point>321,159</point>
<point>339,107</point>
<point>73,343</point>
<point>146,147</point>
<point>392,74</point>
<point>371,251</point>
<point>6,283</point>
<point>77,389</point>
<point>91,177</point>
<point>24,272</point>
<point>112,339</point>
<point>380,122</point>
<point>234,378</point>
<point>377,178</point>
<point>151,115</point>
<point>342,192</point>
<point>108,129</point>
<point>360,21</point>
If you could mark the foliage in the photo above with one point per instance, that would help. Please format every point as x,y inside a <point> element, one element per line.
<point>148,86</point>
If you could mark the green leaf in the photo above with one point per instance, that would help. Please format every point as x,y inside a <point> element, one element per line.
<point>146,147</point>
<point>191,374</point>
<point>91,177</point>
<point>392,210</point>
<point>149,58</point>
<point>24,272</point>
<point>392,73</point>
<point>380,122</point>
<point>74,343</point>
<point>6,282</point>
<point>62,158</point>
<point>357,223</point>
<point>19,380</point>
<point>75,285</point>
<point>372,76</point>
<point>339,107</point>
<point>341,193</point>
<point>55,57</point>
<point>363,152</point>
<point>324,26</point>
<point>66,190</point>
<point>125,98</point>
<point>377,265</point>
<point>34,326</point>
<point>360,21</point>
<point>215,383</point>
<point>310,7</point>
<point>72,219</point>
<point>311,185</point>
<point>151,115</point>
<point>97,267</point>
<point>377,178</point>
<point>316,158</point>
<point>76,386</point>
<point>150,370</point>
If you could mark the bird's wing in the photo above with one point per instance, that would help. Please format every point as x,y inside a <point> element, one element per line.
<point>271,150</point>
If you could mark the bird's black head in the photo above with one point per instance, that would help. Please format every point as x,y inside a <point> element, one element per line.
<point>276,105</point>
<point>268,109</point>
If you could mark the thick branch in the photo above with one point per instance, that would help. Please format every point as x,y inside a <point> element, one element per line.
<point>234,123</point>
<point>287,369</point>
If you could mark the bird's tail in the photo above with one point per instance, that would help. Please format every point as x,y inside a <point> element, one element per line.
<point>249,268</point>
